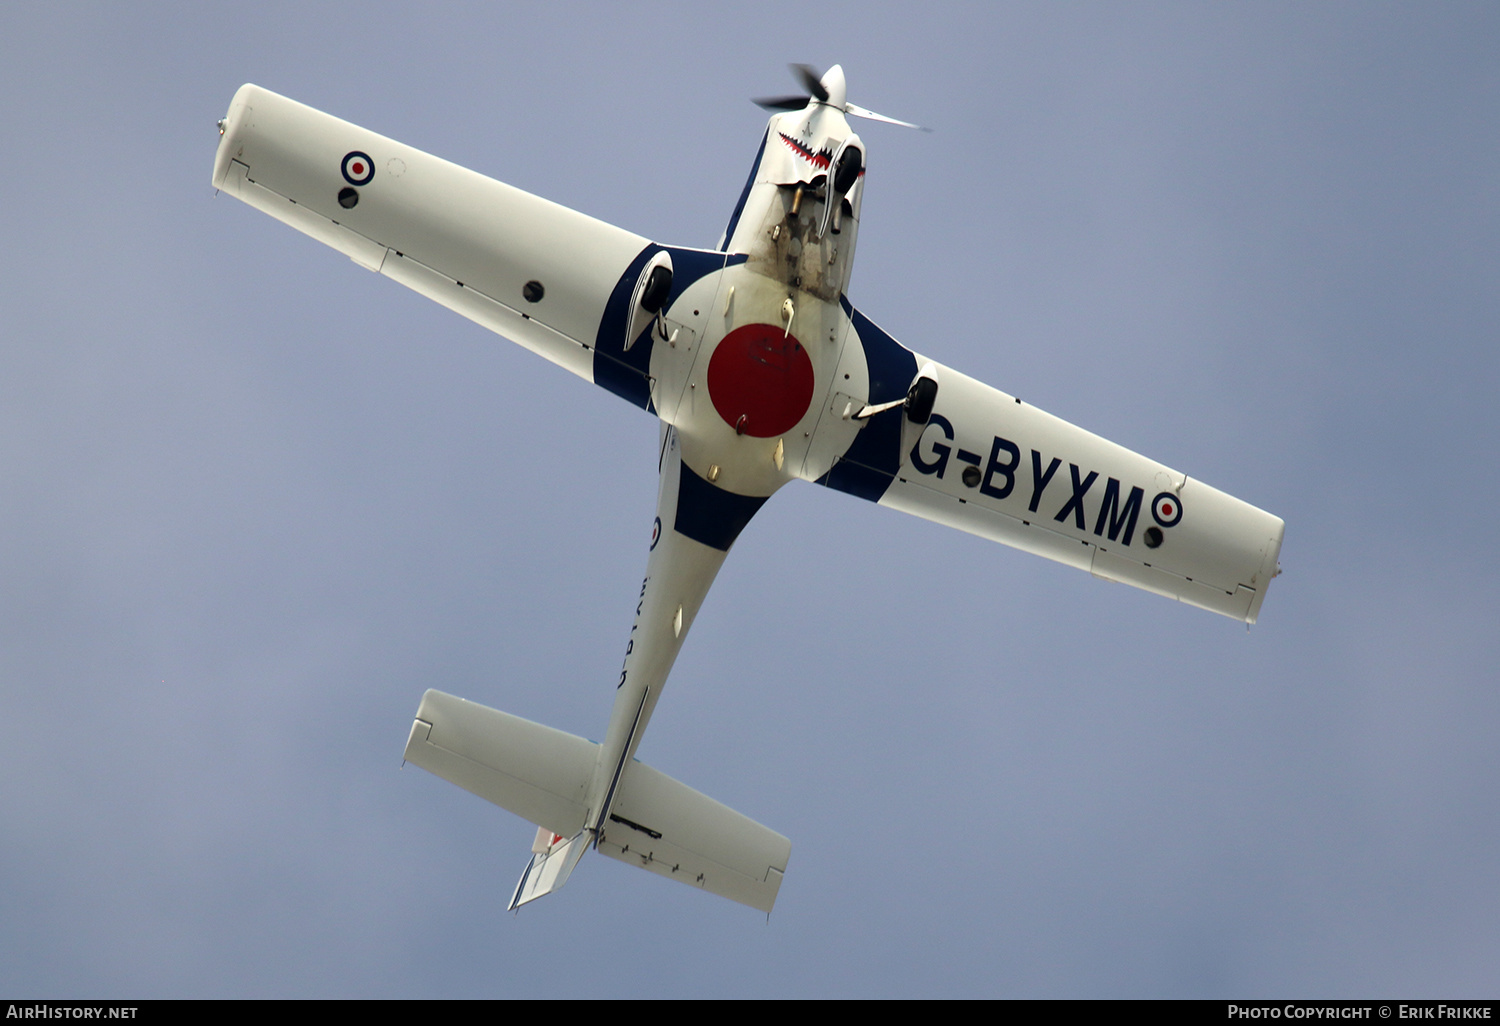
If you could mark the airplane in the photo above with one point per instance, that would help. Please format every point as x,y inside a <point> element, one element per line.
<point>760,372</point>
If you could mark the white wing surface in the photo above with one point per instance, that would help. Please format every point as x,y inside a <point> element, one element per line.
<point>989,464</point>
<point>536,272</point>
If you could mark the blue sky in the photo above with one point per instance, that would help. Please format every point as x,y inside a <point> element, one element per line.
<point>254,500</point>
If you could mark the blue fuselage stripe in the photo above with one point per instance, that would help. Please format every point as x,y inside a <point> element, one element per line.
<point>707,513</point>
<point>870,464</point>
<point>628,374</point>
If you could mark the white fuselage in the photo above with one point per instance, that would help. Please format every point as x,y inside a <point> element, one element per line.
<point>779,305</point>
<point>750,379</point>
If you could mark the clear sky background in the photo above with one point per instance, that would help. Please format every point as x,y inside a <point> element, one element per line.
<point>254,500</point>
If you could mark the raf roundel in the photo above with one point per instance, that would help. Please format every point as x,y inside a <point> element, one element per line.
<point>1166,508</point>
<point>358,168</point>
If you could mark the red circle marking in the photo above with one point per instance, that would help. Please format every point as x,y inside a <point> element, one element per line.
<point>1166,509</point>
<point>760,380</point>
<point>357,168</point>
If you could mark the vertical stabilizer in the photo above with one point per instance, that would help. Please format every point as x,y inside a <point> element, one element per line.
<point>549,868</point>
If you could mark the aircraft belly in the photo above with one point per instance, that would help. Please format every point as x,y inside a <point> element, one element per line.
<point>743,424</point>
<point>679,571</point>
<point>836,429</point>
<point>786,247</point>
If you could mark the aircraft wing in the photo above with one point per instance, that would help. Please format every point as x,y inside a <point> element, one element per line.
<point>989,464</point>
<point>536,272</point>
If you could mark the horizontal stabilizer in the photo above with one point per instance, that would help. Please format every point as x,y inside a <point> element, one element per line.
<point>540,774</point>
<point>543,775</point>
<point>670,829</point>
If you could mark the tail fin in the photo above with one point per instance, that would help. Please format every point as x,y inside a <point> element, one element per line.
<point>552,861</point>
<point>543,775</point>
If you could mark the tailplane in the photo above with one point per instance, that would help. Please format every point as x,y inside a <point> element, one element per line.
<point>543,775</point>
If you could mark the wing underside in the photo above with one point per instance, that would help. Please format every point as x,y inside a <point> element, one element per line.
<point>531,270</point>
<point>988,464</point>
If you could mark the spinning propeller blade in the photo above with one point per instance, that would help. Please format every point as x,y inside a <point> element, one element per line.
<point>817,91</point>
<point>812,80</point>
<point>782,102</point>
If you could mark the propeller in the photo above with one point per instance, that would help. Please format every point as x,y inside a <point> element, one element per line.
<point>860,112</point>
<point>782,102</point>
<point>811,81</point>
<point>817,91</point>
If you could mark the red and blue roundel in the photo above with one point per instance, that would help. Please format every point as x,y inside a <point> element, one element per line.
<point>358,168</point>
<point>1166,508</point>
